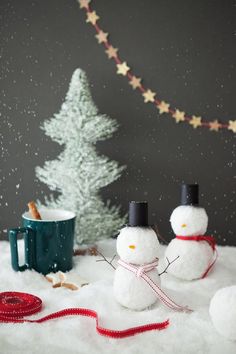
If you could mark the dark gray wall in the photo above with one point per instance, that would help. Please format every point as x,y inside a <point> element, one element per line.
<point>185,50</point>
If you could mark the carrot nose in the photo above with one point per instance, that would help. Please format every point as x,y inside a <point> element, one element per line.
<point>183,225</point>
<point>132,247</point>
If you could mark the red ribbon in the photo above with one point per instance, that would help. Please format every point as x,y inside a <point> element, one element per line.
<point>14,317</point>
<point>210,240</point>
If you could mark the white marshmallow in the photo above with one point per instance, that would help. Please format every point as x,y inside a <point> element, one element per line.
<point>130,291</point>
<point>223,312</point>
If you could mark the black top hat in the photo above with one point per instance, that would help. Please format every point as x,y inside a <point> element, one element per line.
<point>138,214</point>
<point>189,194</point>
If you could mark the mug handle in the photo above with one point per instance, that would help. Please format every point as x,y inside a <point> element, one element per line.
<point>29,248</point>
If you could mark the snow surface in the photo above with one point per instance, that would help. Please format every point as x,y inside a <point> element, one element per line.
<point>187,333</point>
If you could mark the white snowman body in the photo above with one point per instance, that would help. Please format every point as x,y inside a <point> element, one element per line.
<point>194,257</point>
<point>137,246</point>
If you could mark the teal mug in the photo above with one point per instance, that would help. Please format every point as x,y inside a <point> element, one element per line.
<point>48,243</point>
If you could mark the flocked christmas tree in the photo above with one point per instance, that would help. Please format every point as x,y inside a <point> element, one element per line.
<point>80,172</point>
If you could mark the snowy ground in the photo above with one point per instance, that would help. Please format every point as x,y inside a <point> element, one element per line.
<point>187,333</point>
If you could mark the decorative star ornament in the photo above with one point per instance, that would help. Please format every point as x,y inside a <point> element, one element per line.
<point>232,125</point>
<point>92,17</point>
<point>214,126</point>
<point>84,3</point>
<point>135,82</point>
<point>112,52</point>
<point>179,116</point>
<point>196,122</point>
<point>122,68</point>
<point>163,107</point>
<point>101,37</point>
<point>149,96</point>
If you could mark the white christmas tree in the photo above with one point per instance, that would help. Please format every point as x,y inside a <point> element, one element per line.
<point>80,172</point>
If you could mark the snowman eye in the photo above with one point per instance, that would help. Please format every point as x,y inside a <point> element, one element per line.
<point>132,247</point>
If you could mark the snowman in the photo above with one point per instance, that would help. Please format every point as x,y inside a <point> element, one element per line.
<point>196,252</point>
<point>136,281</point>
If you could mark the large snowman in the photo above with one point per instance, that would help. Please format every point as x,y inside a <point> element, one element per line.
<point>137,244</point>
<point>189,222</point>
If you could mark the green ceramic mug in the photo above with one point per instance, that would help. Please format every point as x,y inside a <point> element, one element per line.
<point>48,242</point>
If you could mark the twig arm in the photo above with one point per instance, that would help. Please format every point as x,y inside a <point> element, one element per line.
<point>104,259</point>
<point>168,264</point>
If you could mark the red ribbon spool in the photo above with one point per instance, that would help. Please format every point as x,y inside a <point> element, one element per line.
<point>16,305</point>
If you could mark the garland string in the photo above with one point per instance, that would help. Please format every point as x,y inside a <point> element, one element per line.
<point>148,95</point>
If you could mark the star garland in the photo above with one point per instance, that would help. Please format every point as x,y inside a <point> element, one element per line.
<point>136,82</point>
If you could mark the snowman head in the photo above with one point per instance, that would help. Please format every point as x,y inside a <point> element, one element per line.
<point>187,220</point>
<point>137,245</point>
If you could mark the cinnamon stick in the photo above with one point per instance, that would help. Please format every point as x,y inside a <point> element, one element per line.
<point>91,251</point>
<point>34,211</point>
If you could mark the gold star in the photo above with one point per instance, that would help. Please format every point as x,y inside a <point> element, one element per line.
<point>149,96</point>
<point>214,126</point>
<point>135,82</point>
<point>111,52</point>
<point>195,122</point>
<point>92,17</point>
<point>232,125</point>
<point>163,107</point>
<point>84,3</point>
<point>179,116</point>
<point>122,68</point>
<point>101,37</point>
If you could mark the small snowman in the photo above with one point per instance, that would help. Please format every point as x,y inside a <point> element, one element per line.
<point>136,281</point>
<point>196,252</point>
<point>137,244</point>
